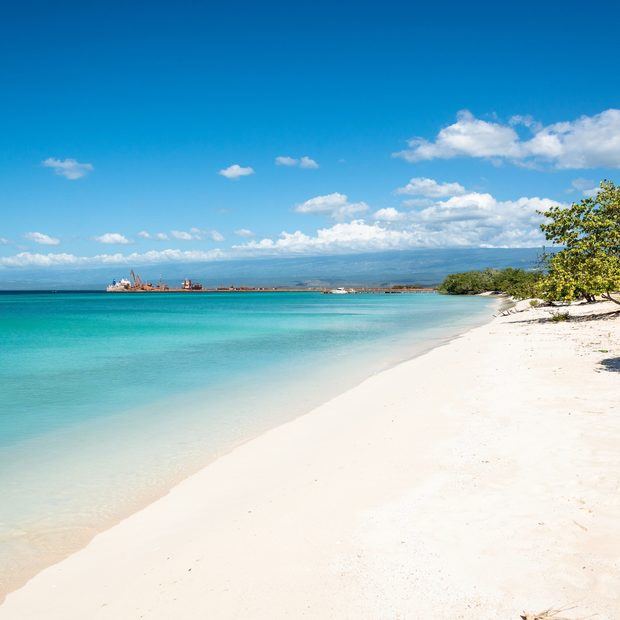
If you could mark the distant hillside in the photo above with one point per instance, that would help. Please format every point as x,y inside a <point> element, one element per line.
<point>425,267</point>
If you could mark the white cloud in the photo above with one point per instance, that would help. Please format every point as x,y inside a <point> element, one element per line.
<point>112,238</point>
<point>41,238</point>
<point>28,259</point>
<point>422,186</point>
<point>586,142</point>
<point>335,205</point>
<point>285,160</point>
<point>160,236</point>
<point>236,171</point>
<point>308,162</point>
<point>302,162</point>
<point>469,136</point>
<point>472,219</point>
<point>477,219</point>
<point>183,235</point>
<point>4,241</point>
<point>390,214</point>
<point>196,234</point>
<point>244,232</point>
<point>352,236</point>
<point>469,220</point>
<point>68,168</point>
<point>526,120</point>
<point>417,202</point>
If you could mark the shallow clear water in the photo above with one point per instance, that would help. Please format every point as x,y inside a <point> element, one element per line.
<point>108,400</point>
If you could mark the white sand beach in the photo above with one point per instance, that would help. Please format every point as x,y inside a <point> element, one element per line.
<point>480,480</point>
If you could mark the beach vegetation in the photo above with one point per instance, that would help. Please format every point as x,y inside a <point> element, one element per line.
<point>559,316</point>
<point>588,264</point>
<point>518,283</point>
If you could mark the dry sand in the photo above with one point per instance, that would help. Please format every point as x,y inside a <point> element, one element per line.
<point>480,480</point>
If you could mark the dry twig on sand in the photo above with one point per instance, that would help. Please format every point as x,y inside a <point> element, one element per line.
<point>549,614</point>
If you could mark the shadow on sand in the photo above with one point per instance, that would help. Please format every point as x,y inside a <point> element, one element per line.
<point>612,364</point>
<point>606,316</point>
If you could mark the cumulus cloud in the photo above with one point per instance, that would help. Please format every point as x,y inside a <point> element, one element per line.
<point>586,142</point>
<point>468,220</point>
<point>41,238</point>
<point>113,238</point>
<point>417,202</point>
<point>28,259</point>
<point>390,214</point>
<point>196,234</point>
<point>308,162</point>
<point>285,160</point>
<point>236,171</point>
<point>335,205</point>
<point>69,168</point>
<point>291,162</point>
<point>352,236</point>
<point>469,136</point>
<point>160,236</point>
<point>422,186</point>
<point>479,219</point>
<point>526,120</point>
<point>183,235</point>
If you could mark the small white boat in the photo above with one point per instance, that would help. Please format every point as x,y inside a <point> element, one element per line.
<point>339,291</point>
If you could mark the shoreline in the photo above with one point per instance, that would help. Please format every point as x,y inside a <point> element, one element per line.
<point>366,479</point>
<point>414,350</point>
<point>356,290</point>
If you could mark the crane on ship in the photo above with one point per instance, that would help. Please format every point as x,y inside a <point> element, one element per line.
<point>137,281</point>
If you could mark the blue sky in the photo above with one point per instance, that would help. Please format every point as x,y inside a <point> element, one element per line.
<point>117,122</point>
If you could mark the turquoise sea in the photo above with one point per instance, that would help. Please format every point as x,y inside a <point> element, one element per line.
<point>107,400</point>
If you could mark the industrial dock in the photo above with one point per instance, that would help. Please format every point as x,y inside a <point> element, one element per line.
<point>136,285</point>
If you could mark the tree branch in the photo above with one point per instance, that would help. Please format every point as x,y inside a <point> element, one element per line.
<point>610,298</point>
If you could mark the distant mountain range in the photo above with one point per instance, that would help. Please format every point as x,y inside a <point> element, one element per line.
<point>424,267</point>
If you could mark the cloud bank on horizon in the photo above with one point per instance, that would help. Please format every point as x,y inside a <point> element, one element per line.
<point>420,212</point>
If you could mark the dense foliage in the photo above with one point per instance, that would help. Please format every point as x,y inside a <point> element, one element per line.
<point>589,263</point>
<point>586,267</point>
<point>518,283</point>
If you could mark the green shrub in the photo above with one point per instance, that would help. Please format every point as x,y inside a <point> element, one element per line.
<point>468,283</point>
<point>558,317</point>
<point>518,283</point>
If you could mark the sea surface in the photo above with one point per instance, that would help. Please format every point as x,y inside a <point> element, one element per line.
<point>107,400</point>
